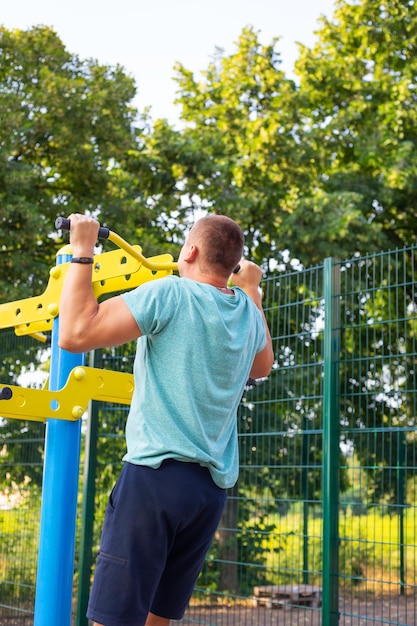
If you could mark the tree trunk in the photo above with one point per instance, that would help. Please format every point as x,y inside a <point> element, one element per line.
<point>228,545</point>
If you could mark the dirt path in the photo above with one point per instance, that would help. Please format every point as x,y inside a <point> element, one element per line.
<point>394,611</point>
<point>400,611</point>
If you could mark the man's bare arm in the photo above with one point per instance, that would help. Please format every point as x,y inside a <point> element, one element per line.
<point>83,323</point>
<point>248,278</point>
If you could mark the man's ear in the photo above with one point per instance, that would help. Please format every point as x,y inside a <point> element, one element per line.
<point>191,254</point>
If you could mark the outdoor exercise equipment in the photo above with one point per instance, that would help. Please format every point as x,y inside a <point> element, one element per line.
<point>71,402</point>
<point>5,393</point>
<point>70,387</point>
<point>113,271</point>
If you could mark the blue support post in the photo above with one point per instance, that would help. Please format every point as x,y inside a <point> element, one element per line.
<point>53,602</point>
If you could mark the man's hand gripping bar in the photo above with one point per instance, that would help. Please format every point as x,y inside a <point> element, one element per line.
<point>64,224</point>
<point>104,233</point>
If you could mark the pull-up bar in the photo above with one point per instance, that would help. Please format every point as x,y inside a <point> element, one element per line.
<point>104,233</point>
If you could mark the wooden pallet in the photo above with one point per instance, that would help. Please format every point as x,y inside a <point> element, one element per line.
<point>287,596</point>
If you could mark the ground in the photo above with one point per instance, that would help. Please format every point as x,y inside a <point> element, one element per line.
<point>389,610</point>
<point>398,611</point>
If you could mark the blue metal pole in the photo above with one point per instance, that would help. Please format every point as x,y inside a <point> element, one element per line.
<point>53,602</point>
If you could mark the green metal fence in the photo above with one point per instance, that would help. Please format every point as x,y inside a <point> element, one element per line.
<point>378,521</point>
<point>321,528</point>
<point>21,461</point>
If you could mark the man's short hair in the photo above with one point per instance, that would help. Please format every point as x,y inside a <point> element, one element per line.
<point>220,241</point>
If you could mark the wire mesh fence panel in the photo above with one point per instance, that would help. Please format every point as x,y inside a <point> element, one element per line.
<point>266,563</point>
<point>267,550</point>
<point>103,452</point>
<point>21,458</point>
<point>378,417</point>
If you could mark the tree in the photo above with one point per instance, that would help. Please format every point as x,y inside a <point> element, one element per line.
<point>323,167</point>
<point>357,89</point>
<point>242,120</point>
<point>359,95</point>
<point>66,126</point>
<point>378,371</point>
<point>21,442</point>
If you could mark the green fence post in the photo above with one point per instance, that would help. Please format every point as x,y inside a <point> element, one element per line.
<point>87,512</point>
<point>401,504</point>
<point>331,444</point>
<point>305,490</point>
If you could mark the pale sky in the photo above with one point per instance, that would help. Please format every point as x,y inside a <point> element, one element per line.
<point>148,37</point>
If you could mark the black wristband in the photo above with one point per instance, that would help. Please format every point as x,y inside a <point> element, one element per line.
<point>85,260</point>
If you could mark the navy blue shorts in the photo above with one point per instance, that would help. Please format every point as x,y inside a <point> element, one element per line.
<point>158,526</point>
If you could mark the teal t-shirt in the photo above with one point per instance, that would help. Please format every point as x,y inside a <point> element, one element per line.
<point>191,366</point>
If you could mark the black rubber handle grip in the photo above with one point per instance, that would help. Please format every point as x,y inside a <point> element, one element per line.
<point>64,224</point>
<point>5,393</point>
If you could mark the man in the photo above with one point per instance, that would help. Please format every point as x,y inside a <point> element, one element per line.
<point>198,342</point>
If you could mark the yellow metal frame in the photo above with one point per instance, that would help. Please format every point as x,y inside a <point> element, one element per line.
<point>70,402</point>
<point>113,272</point>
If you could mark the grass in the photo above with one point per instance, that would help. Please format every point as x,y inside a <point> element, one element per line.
<point>371,557</point>
<point>19,530</point>
<point>371,554</point>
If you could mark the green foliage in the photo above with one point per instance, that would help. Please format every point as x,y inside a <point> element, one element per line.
<point>272,548</point>
<point>367,539</point>
<point>19,528</point>
<point>258,545</point>
<point>66,127</point>
<point>325,166</point>
<point>359,103</point>
<point>241,120</point>
<point>21,442</point>
<point>378,370</point>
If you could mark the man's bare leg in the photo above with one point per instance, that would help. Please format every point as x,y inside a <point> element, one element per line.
<point>153,620</point>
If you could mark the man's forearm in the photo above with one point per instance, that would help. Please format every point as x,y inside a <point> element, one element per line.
<point>264,359</point>
<point>78,305</point>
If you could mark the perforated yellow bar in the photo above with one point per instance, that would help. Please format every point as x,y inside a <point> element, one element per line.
<point>113,272</point>
<point>70,402</point>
